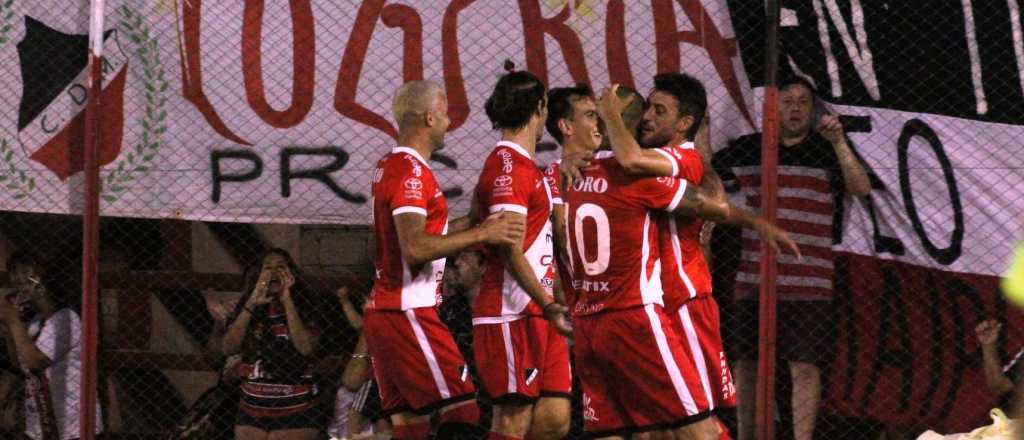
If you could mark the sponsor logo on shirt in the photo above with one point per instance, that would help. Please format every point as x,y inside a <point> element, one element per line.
<point>503,181</point>
<point>591,184</point>
<point>589,414</point>
<point>417,170</point>
<point>506,160</point>
<point>413,184</point>
<point>503,186</point>
<point>591,286</point>
<point>588,308</point>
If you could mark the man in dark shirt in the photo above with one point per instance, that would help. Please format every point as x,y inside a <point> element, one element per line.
<point>816,166</point>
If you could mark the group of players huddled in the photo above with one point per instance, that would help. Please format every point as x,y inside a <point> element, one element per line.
<point>609,236</point>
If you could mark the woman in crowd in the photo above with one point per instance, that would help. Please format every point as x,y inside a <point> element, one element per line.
<point>43,328</point>
<point>275,328</point>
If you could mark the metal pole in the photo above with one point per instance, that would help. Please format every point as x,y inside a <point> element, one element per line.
<point>90,228</point>
<point>769,180</point>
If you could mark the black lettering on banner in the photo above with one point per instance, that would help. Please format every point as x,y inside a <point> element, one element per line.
<point>883,243</point>
<point>937,343</point>
<point>899,356</point>
<point>321,174</point>
<point>957,290</point>
<point>916,127</point>
<point>219,177</point>
<point>453,192</point>
<point>78,93</point>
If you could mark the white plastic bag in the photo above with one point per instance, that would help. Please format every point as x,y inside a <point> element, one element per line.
<point>1002,428</point>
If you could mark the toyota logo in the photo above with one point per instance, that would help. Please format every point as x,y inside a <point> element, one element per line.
<point>414,184</point>
<point>503,180</point>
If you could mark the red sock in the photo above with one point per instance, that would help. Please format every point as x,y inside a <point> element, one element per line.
<point>415,431</point>
<point>495,436</point>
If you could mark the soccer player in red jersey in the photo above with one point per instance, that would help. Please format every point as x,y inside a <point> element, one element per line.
<point>629,358</point>
<point>573,122</point>
<point>521,354</point>
<point>676,110</point>
<point>417,365</point>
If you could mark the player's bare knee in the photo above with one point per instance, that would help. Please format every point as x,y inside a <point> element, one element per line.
<point>512,420</point>
<point>702,430</point>
<point>550,419</point>
<point>548,428</point>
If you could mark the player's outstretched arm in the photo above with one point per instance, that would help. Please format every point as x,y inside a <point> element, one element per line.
<point>634,160</point>
<point>419,247</point>
<point>697,203</point>
<point>520,269</point>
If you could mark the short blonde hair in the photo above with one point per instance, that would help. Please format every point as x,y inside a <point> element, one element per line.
<point>414,98</point>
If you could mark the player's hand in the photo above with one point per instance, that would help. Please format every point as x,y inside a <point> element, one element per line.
<point>988,332</point>
<point>610,105</point>
<point>571,166</point>
<point>831,129</point>
<point>555,314</point>
<point>503,229</point>
<point>706,231</point>
<point>779,239</point>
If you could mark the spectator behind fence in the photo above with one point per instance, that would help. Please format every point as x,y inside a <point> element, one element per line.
<point>816,165</point>
<point>44,331</point>
<point>22,271</point>
<point>461,287</point>
<point>357,406</point>
<point>275,328</point>
<point>999,376</point>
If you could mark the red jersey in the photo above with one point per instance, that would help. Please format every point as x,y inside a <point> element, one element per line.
<point>685,273</point>
<point>613,245</point>
<point>403,183</point>
<point>553,174</point>
<point>510,181</point>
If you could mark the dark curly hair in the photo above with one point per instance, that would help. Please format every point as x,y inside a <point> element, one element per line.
<point>690,96</point>
<point>514,100</point>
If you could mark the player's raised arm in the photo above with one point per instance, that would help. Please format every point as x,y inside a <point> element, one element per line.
<point>634,160</point>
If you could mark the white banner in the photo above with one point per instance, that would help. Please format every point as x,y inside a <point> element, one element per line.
<point>277,111</point>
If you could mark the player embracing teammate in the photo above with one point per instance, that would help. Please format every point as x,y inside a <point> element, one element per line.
<point>647,347</point>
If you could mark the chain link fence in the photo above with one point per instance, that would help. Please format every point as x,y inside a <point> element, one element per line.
<point>238,141</point>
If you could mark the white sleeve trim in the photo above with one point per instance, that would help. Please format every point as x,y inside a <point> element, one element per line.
<point>409,210</point>
<point>557,201</point>
<point>672,160</point>
<point>678,197</point>
<point>518,209</point>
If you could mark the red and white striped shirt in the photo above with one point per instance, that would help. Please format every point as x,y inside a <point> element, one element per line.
<point>809,179</point>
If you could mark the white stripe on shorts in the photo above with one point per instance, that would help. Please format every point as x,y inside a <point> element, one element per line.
<point>670,362</point>
<point>698,354</point>
<point>435,368</point>
<point>510,357</point>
